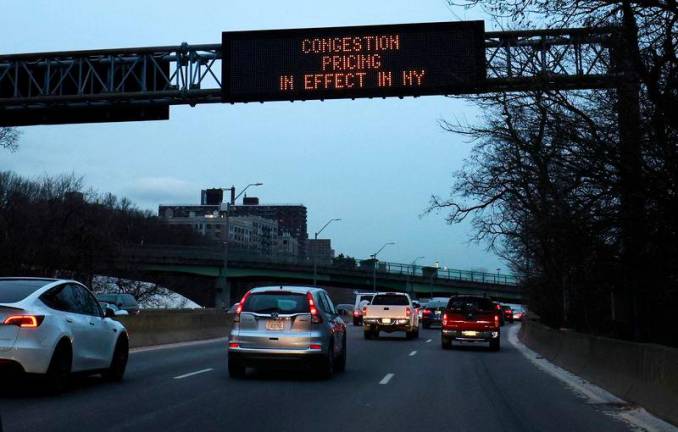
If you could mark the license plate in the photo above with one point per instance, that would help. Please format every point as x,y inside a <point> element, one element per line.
<point>275,325</point>
<point>386,320</point>
<point>469,333</point>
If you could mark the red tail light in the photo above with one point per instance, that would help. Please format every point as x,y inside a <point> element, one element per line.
<point>234,345</point>
<point>356,313</point>
<point>315,315</point>
<point>445,319</point>
<point>315,346</point>
<point>427,312</point>
<point>238,310</point>
<point>496,320</point>
<point>408,312</point>
<point>24,321</point>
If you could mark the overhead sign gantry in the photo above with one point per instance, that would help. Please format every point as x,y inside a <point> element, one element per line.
<point>131,84</point>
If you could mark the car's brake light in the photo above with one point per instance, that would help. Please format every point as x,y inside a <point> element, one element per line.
<point>427,312</point>
<point>315,316</point>
<point>241,305</point>
<point>234,345</point>
<point>356,313</point>
<point>315,346</point>
<point>408,312</point>
<point>445,319</point>
<point>24,321</point>
<point>496,320</point>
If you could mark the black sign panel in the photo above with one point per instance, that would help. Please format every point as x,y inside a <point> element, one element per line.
<point>351,62</point>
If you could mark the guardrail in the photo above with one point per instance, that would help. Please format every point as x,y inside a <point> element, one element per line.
<point>201,253</point>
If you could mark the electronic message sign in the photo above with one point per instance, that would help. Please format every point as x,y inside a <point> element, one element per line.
<point>352,62</point>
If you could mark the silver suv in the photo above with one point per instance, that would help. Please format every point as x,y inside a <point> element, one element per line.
<point>285,325</point>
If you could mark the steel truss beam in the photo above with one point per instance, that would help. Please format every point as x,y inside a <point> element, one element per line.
<point>189,74</point>
<point>549,59</point>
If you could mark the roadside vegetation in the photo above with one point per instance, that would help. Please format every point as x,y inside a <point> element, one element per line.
<point>54,226</point>
<point>590,226</point>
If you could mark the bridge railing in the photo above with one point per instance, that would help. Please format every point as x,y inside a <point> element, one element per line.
<point>429,274</point>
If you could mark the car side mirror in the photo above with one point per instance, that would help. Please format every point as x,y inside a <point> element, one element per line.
<point>109,313</point>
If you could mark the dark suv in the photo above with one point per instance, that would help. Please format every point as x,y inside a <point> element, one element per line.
<point>471,319</point>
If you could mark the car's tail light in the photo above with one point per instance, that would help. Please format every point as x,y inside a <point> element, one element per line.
<point>315,346</point>
<point>498,307</point>
<point>241,305</point>
<point>315,315</point>
<point>356,313</point>
<point>234,345</point>
<point>445,319</point>
<point>427,312</point>
<point>408,312</point>
<point>24,321</point>
<point>496,320</point>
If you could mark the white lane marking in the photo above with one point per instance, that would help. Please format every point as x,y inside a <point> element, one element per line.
<point>387,378</point>
<point>176,345</point>
<point>413,353</point>
<point>193,373</point>
<point>428,340</point>
<point>637,417</point>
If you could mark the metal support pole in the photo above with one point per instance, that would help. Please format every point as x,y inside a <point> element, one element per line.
<point>625,55</point>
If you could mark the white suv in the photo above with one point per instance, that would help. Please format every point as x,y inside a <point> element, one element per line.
<point>55,327</point>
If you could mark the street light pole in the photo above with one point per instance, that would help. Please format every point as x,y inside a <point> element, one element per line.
<point>414,263</point>
<point>374,265</point>
<point>225,234</point>
<point>315,265</point>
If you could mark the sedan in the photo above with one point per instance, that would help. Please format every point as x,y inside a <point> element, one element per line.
<point>56,327</point>
<point>432,313</point>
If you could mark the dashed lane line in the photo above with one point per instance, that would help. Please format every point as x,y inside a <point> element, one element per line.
<point>190,374</point>
<point>413,353</point>
<point>386,378</point>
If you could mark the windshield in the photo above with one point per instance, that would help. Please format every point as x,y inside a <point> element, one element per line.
<point>12,291</point>
<point>276,302</point>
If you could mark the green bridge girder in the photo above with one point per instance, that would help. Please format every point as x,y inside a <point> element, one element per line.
<point>358,280</point>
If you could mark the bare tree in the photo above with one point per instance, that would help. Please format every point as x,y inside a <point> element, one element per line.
<point>9,138</point>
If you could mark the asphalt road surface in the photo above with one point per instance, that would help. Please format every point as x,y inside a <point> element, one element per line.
<point>391,384</point>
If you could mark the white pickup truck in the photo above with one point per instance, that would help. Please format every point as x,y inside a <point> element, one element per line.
<point>390,312</point>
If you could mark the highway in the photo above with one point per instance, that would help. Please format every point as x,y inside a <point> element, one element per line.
<point>391,384</point>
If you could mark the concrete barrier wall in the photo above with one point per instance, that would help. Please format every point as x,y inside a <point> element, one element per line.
<point>157,327</point>
<point>644,374</point>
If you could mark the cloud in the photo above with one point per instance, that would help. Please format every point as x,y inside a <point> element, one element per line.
<point>151,191</point>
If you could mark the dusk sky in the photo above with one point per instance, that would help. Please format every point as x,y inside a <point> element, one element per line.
<point>373,163</point>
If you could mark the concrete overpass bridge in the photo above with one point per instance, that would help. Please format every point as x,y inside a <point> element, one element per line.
<point>198,274</point>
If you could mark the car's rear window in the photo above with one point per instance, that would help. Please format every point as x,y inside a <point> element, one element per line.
<point>365,297</point>
<point>390,299</point>
<point>128,300</point>
<point>278,302</point>
<point>460,304</point>
<point>108,298</point>
<point>436,304</point>
<point>12,291</point>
